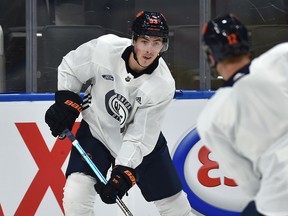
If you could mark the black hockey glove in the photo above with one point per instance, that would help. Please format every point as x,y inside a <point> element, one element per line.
<point>122,179</point>
<point>63,113</point>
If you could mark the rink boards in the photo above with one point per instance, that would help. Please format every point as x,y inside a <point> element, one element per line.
<point>32,161</point>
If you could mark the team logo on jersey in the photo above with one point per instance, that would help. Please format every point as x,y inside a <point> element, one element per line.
<point>108,77</point>
<point>118,107</point>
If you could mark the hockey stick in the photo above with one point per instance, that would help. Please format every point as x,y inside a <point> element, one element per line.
<point>76,144</point>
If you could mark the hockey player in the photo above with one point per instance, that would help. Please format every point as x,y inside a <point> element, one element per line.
<point>246,122</point>
<point>122,112</point>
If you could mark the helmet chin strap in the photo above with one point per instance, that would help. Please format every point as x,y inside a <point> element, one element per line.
<point>136,59</point>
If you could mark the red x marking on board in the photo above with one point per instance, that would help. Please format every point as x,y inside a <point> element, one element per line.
<point>49,163</point>
<point>1,211</point>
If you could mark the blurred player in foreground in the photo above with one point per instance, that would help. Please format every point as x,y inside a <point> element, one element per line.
<point>122,112</point>
<point>246,122</point>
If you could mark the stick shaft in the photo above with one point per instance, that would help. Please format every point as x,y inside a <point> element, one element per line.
<point>76,144</point>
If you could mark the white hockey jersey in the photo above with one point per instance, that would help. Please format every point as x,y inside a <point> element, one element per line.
<point>247,127</point>
<point>123,112</point>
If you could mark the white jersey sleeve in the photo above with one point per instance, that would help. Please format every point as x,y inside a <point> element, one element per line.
<point>77,67</point>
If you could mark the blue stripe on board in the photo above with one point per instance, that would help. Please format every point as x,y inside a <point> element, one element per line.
<point>27,97</point>
<point>179,94</point>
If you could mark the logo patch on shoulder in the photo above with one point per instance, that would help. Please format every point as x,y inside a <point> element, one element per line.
<point>138,99</point>
<point>108,77</point>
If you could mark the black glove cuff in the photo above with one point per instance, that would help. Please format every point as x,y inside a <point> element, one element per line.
<point>128,174</point>
<point>69,101</point>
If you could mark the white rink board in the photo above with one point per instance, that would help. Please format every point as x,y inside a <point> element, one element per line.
<point>24,188</point>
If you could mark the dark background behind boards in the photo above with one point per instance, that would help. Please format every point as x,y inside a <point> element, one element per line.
<point>267,21</point>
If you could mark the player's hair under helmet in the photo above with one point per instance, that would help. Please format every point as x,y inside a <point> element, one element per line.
<point>151,24</point>
<point>225,37</point>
